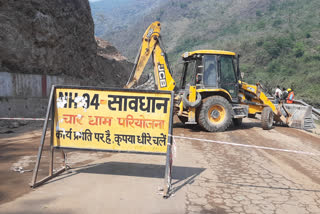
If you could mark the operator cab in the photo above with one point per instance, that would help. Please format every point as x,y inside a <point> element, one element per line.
<point>211,69</point>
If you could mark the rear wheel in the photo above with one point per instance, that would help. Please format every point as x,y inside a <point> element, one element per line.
<point>215,114</point>
<point>266,118</point>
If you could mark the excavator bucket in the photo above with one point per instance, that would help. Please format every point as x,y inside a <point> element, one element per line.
<point>297,116</point>
<point>301,116</point>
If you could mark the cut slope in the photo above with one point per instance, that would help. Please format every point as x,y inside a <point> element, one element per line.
<point>57,38</point>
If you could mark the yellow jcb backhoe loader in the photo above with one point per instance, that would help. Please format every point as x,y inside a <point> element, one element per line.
<point>211,92</point>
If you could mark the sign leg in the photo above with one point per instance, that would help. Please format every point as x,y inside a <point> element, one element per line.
<point>44,131</point>
<point>64,156</point>
<point>51,143</point>
<point>51,161</point>
<point>168,173</point>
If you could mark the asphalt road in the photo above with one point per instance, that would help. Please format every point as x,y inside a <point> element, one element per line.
<point>275,171</point>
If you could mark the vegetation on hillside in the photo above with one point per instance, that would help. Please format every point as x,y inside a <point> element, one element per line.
<point>278,40</point>
<point>115,15</point>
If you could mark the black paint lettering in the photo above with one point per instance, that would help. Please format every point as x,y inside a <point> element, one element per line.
<point>71,100</point>
<point>87,99</point>
<point>95,101</point>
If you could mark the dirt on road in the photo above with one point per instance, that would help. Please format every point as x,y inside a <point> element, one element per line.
<point>18,154</point>
<point>243,170</point>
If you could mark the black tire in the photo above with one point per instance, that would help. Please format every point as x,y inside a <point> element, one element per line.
<point>183,119</point>
<point>215,114</point>
<point>237,121</point>
<point>266,118</point>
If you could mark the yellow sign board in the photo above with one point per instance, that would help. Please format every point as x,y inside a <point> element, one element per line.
<point>115,120</point>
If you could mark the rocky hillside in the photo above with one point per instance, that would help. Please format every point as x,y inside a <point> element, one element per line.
<point>57,37</point>
<point>106,50</point>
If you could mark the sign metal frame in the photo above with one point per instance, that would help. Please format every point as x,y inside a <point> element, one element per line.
<point>51,111</point>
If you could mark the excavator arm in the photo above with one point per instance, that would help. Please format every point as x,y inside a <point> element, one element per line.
<point>295,116</point>
<point>152,45</point>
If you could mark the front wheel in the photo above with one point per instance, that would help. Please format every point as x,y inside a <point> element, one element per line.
<point>266,118</point>
<point>215,114</point>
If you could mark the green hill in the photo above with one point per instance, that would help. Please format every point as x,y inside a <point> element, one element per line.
<point>278,40</point>
<point>116,15</point>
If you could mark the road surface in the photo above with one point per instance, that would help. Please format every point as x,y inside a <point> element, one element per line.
<point>242,170</point>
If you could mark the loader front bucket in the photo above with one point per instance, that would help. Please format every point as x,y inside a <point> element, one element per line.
<point>300,116</point>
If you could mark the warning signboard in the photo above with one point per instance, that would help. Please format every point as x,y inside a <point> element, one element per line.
<point>117,120</point>
<point>122,120</point>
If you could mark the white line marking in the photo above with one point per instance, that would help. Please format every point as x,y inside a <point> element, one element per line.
<point>248,146</point>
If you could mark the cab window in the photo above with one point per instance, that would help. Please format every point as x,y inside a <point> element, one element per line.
<point>228,78</point>
<point>189,76</point>
<point>210,71</point>
<point>227,70</point>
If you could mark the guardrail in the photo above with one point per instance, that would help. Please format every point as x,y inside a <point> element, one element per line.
<point>314,110</point>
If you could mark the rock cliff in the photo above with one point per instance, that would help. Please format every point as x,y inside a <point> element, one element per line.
<point>57,37</point>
